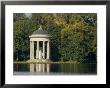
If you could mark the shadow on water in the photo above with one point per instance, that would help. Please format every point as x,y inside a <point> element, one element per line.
<point>70,68</point>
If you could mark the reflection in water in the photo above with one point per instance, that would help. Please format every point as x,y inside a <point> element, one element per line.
<point>74,68</point>
<point>39,68</point>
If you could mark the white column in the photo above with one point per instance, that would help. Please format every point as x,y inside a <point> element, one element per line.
<point>36,54</point>
<point>48,50</point>
<point>32,49</point>
<point>37,49</point>
<point>44,49</point>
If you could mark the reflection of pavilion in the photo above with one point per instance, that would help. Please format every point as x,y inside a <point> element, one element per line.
<point>39,45</point>
<point>39,67</point>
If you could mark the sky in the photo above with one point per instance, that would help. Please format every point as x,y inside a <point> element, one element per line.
<point>28,14</point>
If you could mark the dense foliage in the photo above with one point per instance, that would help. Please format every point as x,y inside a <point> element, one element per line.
<point>74,35</point>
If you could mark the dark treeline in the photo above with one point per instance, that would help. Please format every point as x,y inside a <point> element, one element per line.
<point>74,35</point>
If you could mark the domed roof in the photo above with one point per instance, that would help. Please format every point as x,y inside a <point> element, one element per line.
<point>40,33</point>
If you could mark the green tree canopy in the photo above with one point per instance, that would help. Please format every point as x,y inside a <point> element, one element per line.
<point>74,35</point>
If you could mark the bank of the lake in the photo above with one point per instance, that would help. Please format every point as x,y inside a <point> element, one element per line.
<point>49,62</point>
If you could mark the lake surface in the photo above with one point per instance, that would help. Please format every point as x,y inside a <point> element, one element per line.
<point>56,69</point>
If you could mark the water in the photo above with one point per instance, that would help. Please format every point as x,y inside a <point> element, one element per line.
<point>48,69</point>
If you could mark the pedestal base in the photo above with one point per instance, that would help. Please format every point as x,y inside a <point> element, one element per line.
<point>38,60</point>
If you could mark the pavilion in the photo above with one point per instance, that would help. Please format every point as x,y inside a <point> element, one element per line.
<point>39,45</point>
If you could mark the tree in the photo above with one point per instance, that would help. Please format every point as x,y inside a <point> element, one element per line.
<point>73,35</point>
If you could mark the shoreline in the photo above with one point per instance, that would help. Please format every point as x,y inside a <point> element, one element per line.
<point>50,62</point>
